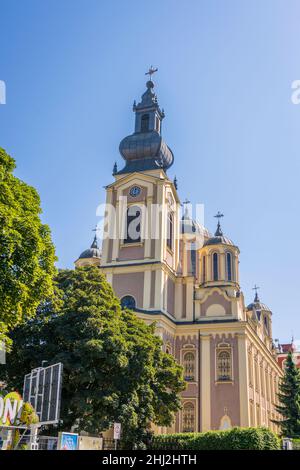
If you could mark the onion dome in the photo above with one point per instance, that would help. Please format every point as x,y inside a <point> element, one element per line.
<point>218,238</point>
<point>92,252</point>
<point>145,149</point>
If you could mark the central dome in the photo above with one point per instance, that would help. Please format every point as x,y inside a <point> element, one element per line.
<point>146,150</point>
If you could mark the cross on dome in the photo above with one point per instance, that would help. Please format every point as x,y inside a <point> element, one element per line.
<point>219,232</point>
<point>151,71</point>
<point>256,298</point>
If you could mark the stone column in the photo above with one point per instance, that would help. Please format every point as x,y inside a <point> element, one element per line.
<point>159,278</point>
<point>189,298</point>
<point>243,380</point>
<point>147,289</point>
<point>205,383</point>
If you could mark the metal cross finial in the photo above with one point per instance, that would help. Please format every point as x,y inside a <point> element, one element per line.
<point>219,216</point>
<point>255,288</point>
<point>151,71</point>
<point>218,232</point>
<point>186,201</point>
<point>256,293</point>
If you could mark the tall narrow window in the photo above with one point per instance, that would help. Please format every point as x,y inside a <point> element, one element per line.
<point>133,225</point>
<point>215,266</point>
<point>224,366</point>
<point>189,366</point>
<point>157,124</point>
<point>204,269</point>
<point>188,417</point>
<point>170,231</point>
<point>145,123</point>
<point>229,266</point>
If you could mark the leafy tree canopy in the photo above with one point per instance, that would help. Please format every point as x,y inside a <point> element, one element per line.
<point>26,252</point>
<point>114,366</point>
<point>289,400</point>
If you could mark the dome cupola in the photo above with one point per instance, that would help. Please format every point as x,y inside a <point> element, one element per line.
<point>219,238</point>
<point>219,263</point>
<point>145,149</point>
<point>91,256</point>
<point>257,305</point>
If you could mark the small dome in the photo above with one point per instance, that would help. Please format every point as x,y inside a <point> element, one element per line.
<point>92,252</point>
<point>191,226</point>
<point>220,239</point>
<point>258,306</point>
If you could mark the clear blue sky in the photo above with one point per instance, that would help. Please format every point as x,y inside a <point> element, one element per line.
<point>72,70</point>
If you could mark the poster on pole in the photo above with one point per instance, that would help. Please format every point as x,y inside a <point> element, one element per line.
<point>117,431</point>
<point>68,441</point>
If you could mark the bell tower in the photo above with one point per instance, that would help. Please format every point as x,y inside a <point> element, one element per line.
<point>140,251</point>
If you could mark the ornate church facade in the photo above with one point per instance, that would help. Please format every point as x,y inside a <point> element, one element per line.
<point>172,271</point>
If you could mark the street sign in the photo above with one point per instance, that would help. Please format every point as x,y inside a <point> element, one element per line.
<point>117,431</point>
<point>42,388</point>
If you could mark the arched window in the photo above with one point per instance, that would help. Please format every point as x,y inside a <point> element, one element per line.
<point>145,123</point>
<point>133,225</point>
<point>266,323</point>
<point>128,302</point>
<point>188,417</point>
<point>168,348</point>
<point>224,365</point>
<point>189,366</point>
<point>170,231</point>
<point>229,266</point>
<point>204,269</point>
<point>215,267</point>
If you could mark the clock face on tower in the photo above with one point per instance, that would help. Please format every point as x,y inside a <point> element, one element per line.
<point>135,191</point>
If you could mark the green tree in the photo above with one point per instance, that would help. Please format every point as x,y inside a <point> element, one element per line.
<point>114,366</point>
<point>289,400</point>
<point>26,252</point>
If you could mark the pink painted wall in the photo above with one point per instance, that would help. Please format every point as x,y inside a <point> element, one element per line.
<point>131,253</point>
<point>215,298</point>
<point>226,394</point>
<point>130,284</point>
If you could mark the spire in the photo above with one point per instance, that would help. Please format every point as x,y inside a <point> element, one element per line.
<point>145,149</point>
<point>95,241</point>
<point>175,183</point>
<point>115,168</point>
<point>256,298</point>
<point>219,232</point>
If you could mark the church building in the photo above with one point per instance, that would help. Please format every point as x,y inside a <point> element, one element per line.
<point>172,271</point>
